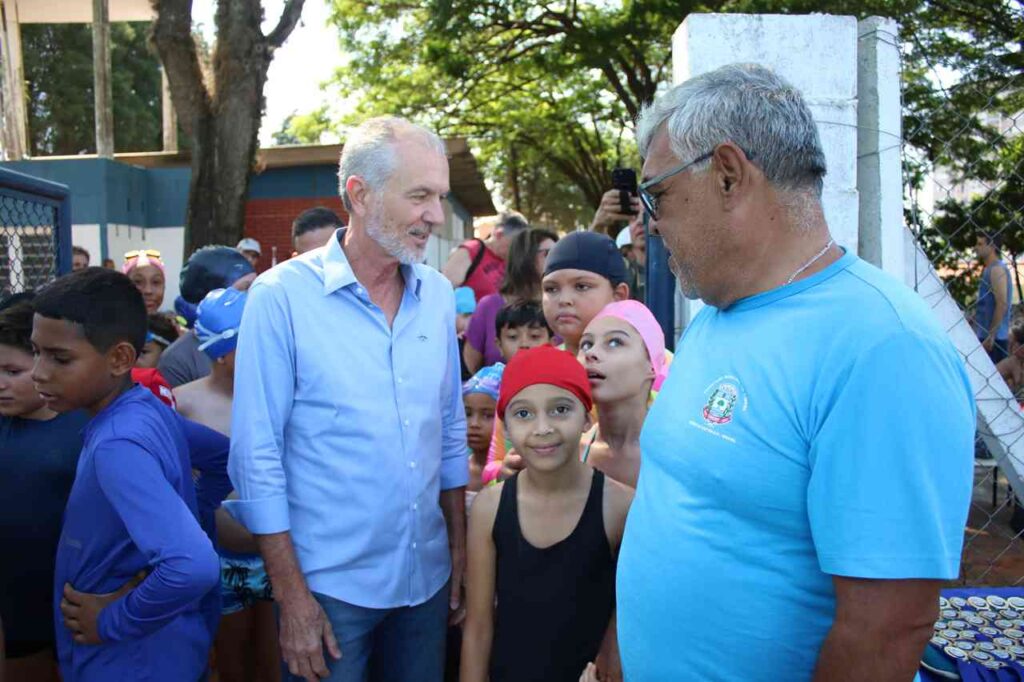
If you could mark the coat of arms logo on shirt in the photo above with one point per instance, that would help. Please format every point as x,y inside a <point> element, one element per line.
<point>721,404</point>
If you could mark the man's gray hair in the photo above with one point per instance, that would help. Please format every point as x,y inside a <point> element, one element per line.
<point>512,222</point>
<point>369,151</point>
<point>750,106</point>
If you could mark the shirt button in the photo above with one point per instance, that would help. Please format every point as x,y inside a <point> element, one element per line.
<point>406,422</point>
<point>412,465</point>
<point>415,506</point>
<point>399,379</point>
<point>414,545</point>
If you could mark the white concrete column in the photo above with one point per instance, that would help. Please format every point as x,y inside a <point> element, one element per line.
<point>818,55</point>
<point>879,141</point>
<point>102,85</point>
<point>12,84</point>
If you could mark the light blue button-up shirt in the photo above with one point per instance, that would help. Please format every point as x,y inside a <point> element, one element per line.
<point>345,430</point>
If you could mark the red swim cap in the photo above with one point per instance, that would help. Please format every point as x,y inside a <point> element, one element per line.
<point>544,365</point>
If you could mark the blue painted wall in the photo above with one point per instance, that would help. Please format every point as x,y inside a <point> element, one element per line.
<point>297,182</point>
<point>111,192</point>
<point>167,196</point>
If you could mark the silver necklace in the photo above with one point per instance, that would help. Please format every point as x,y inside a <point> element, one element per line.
<point>811,262</point>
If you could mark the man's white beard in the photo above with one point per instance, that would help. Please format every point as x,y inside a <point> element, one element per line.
<point>391,241</point>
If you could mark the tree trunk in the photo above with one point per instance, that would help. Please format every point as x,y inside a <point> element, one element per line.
<point>1016,278</point>
<point>513,176</point>
<point>226,140</point>
<point>223,117</point>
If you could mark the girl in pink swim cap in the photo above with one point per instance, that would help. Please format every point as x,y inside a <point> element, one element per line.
<point>623,351</point>
<point>145,268</point>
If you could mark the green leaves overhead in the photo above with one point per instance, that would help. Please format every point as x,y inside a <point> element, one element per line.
<point>59,79</point>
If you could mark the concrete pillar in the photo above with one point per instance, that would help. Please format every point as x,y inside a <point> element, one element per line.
<point>879,141</point>
<point>798,48</point>
<point>12,84</point>
<point>102,86</point>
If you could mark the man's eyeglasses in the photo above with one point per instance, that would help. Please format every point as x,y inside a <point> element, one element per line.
<point>650,201</point>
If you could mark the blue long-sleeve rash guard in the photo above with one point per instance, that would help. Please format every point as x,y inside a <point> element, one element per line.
<point>133,507</point>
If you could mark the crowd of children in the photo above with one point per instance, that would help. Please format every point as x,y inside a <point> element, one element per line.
<point>125,541</point>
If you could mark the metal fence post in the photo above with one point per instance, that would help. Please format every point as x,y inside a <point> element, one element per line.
<point>35,232</point>
<point>661,286</point>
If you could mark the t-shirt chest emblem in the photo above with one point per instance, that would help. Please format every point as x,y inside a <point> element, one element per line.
<point>724,400</point>
<point>724,396</point>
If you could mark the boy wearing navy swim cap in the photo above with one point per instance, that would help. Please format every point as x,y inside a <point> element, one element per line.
<point>584,273</point>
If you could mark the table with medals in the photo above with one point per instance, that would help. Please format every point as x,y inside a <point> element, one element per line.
<point>979,637</point>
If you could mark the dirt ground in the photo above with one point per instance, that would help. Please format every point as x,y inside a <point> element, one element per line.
<point>993,554</point>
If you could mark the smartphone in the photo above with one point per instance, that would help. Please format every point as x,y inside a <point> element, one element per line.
<point>624,180</point>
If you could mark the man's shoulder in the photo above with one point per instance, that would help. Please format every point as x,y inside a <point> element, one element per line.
<point>880,305</point>
<point>304,268</point>
<point>433,281</point>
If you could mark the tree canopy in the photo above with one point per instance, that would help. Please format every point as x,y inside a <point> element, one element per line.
<point>548,91</point>
<point>59,77</point>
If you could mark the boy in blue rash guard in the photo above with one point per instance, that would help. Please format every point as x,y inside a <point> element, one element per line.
<point>133,568</point>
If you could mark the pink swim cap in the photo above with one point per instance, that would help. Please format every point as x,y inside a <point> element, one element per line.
<point>642,320</point>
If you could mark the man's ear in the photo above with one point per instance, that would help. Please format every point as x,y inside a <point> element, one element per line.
<point>621,292</point>
<point>732,172</point>
<point>121,358</point>
<point>358,195</point>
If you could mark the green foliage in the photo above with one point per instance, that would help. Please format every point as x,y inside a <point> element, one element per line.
<point>58,72</point>
<point>547,92</point>
<point>963,98</point>
<point>303,128</point>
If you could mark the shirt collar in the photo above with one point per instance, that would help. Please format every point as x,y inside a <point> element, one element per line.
<point>338,273</point>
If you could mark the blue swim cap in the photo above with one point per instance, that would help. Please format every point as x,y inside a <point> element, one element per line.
<point>219,317</point>
<point>186,310</point>
<point>209,268</point>
<point>465,301</point>
<point>486,381</point>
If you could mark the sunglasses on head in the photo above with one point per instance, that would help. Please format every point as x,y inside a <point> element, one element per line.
<point>148,253</point>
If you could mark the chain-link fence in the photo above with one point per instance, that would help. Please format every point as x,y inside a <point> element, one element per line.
<point>964,199</point>
<point>35,232</point>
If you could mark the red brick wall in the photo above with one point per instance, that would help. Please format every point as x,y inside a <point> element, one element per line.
<point>269,221</point>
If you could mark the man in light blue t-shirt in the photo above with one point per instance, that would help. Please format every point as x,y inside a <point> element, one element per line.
<point>807,467</point>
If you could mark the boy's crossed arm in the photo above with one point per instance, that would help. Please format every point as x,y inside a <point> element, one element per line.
<point>183,563</point>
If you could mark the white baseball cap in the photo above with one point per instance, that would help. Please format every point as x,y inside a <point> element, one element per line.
<point>624,238</point>
<point>248,244</point>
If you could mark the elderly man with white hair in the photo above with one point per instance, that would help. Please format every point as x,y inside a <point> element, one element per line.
<point>807,467</point>
<point>349,435</point>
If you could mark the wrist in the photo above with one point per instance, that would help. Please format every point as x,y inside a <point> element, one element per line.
<point>290,595</point>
